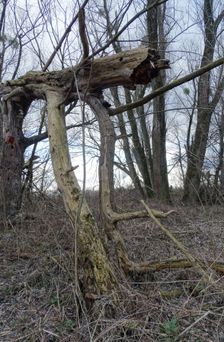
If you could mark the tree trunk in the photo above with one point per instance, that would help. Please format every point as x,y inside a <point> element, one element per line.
<point>12,155</point>
<point>95,272</point>
<point>106,180</point>
<point>160,176</point>
<point>106,176</point>
<point>205,108</point>
<point>138,149</point>
<point>146,140</point>
<point>156,35</point>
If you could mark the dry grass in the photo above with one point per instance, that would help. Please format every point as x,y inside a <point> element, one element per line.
<point>37,301</point>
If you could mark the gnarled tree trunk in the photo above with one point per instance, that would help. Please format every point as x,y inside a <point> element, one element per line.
<point>95,271</point>
<point>128,68</point>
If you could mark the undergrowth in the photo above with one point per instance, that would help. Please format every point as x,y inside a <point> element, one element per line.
<point>37,289</point>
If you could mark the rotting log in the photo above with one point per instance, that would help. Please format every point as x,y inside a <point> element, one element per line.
<point>116,217</point>
<point>128,68</point>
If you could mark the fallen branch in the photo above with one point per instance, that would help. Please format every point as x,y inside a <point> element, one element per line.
<point>138,214</point>
<point>179,244</point>
<point>174,264</point>
<point>193,324</point>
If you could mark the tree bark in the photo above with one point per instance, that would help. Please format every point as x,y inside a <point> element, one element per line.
<point>13,111</point>
<point>95,271</point>
<point>156,35</point>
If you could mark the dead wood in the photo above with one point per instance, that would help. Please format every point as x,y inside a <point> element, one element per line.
<point>128,68</point>
<point>116,217</point>
<point>175,264</point>
<point>94,270</point>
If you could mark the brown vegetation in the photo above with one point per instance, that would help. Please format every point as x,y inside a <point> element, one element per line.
<point>37,287</point>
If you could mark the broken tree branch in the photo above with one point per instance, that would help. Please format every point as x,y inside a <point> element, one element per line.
<point>127,68</point>
<point>167,87</point>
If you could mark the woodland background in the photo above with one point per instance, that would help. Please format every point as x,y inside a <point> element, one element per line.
<point>169,150</point>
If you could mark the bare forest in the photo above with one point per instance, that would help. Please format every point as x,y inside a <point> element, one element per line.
<point>111,170</point>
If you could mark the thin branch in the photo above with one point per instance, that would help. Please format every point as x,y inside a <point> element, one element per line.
<point>218,20</point>
<point>2,19</point>
<point>40,137</point>
<point>18,59</point>
<point>193,324</point>
<point>115,37</point>
<point>67,31</point>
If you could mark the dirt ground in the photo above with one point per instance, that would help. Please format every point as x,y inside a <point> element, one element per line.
<point>37,296</point>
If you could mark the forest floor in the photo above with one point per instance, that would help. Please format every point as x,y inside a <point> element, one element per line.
<point>37,291</point>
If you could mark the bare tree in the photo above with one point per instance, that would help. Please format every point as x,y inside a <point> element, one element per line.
<point>206,104</point>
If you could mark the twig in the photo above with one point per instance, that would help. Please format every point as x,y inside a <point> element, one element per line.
<point>193,324</point>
